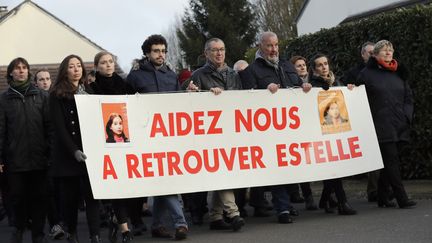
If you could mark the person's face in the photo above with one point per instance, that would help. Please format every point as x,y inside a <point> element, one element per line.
<point>74,72</point>
<point>157,54</point>
<point>117,126</point>
<point>270,48</point>
<point>216,53</point>
<point>106,65</point>
<point>300,67</point>
<point>43,80</point>
<point>333,111</point>
<point>322,67</point>
<point>20,73</point>
<point>385,54</point>
<point>368,51</point>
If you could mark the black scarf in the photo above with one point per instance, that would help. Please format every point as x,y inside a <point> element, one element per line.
<point>109,85</point>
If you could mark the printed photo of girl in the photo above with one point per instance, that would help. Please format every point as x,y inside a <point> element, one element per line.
<point>114,129</point>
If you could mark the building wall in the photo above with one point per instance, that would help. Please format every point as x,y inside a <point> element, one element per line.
<point>326,14</point>
<point>40,38</point>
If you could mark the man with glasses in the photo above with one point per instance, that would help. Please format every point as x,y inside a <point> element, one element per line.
<point>151,74</point>
<point>216,76</point>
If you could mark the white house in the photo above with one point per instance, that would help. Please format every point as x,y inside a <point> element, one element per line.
<point>31,32</point>
<point>318,14</point>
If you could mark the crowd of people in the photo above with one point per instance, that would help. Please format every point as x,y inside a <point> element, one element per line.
<point>42,163</point>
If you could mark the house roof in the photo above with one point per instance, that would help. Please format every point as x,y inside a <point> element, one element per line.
<point>302,9</point>
<point>17,8</point>
<point>386,8</point>
<point>51,66</point>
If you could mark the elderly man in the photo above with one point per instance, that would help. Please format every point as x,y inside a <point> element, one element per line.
<point>268,71</point>
<point>216,76</point>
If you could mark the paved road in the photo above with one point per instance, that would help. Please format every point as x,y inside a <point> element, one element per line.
<point>372,224</point>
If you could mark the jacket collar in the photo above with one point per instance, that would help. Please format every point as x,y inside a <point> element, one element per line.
<point>32,90</point>
<point>146,65</point>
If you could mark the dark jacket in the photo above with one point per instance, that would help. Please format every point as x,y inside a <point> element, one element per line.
<point>350,76</point>
<point>114,85</point>
<point>207,77</point>
<point>67,138</point>
<point>25,130</point>
<point>260,74</point>
<point>390,100</point>
<point>146,79</point>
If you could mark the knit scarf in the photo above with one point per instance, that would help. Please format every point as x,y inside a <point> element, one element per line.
<point>80,89</point>
<point>330,79</point>
<point>275,64</point>
<point>223,71</point>
<point>20,86</point>
<point>391,66</point>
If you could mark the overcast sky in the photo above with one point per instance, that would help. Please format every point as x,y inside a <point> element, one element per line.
<point>119,26</point>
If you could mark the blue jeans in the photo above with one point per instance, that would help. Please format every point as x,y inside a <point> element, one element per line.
<point>281,199</point>
<point>171,205</point>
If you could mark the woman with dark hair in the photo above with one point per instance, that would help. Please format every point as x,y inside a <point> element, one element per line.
<point>391,103</point>
<point>321,76</point>
<point>68,158</point>
<point>114,129</point>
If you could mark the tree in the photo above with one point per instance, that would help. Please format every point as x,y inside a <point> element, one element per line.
<point>234,22</point>
<point>279,16</point>
<point>175,54</point>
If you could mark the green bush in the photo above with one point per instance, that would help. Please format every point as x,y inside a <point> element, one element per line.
<point>410,31</point>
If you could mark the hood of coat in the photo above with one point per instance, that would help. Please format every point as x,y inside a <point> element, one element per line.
<point>145,64</point>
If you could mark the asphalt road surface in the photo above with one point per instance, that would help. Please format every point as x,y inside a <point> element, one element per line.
<point>371,224</point>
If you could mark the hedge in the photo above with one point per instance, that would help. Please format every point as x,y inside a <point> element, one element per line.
<point>410,31</point>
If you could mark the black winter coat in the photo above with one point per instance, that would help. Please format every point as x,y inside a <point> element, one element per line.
<point>67,138</point>
<point>147,79</point>
<point>350,77</point>
<point>390,100</point>
<point>207,77</point>
<point>260,74</point>
<point>25,130</point>
<point>113,85</point>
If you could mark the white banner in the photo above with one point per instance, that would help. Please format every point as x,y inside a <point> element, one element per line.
<point>158,144</point>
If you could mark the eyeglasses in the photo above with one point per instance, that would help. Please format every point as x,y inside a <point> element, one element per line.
<point>215,50</point>
<point>159,51</point>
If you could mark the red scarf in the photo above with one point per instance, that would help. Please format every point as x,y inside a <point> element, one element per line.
<point>392,65</point>
<point>118,139</point>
